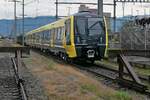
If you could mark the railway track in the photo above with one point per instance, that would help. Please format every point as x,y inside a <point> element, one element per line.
<point>108,67</point>
<point>110,75</point>
<point>10,88</point>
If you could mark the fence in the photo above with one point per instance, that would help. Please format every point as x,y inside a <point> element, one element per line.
<point>128,34</point>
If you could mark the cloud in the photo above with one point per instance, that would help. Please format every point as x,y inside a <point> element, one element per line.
<point>47,7</point>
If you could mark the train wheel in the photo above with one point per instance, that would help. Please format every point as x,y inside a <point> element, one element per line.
<point>66,58</point>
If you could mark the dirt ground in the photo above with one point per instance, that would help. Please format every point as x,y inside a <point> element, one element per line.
<point>63,82</point>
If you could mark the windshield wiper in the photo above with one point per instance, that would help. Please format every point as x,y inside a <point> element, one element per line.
<point>93,25</point>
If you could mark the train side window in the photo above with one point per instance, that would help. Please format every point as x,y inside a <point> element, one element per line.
<point>45,35</point>
<point>56,31</point>
<point>68,32</point>
<point>49,35</point>
<point>62,33</point>
<point>52,33</point>
<point>40,37</point>
<point>59,34</point>
<point>42,34</point>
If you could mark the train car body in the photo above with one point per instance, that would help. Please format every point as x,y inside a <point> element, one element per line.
<point>83,36</point>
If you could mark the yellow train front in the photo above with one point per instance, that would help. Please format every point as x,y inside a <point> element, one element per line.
<point>81,36</point>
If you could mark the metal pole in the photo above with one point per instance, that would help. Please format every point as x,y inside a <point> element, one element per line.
<point>145,46</point>
<point>56,9</point>
<point>132,11</point>
<point>23,22</point>
<point>123,7</point>
<point>100,8</point>
<point>69,11</point>
<point>15,23</point>
<point>114,15</point>
<point>144,11</point>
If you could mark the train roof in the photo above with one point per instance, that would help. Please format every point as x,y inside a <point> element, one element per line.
<point>85,13</point>
<point>60,22</point>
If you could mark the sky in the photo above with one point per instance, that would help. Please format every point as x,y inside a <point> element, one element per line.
<point>34,8</point>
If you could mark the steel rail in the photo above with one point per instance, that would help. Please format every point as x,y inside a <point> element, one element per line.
<point>142,77</point>
<point>96,72</point>
<point>19,81</point>
<point>113,78</point>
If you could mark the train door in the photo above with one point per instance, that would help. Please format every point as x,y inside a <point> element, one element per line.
<point>69,34</point>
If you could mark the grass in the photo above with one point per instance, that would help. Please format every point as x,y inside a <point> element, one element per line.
<point>51,65</point>
<point>141,71</point>
<point>119,95</point>
<point>88,88</point>
<point>28,60</point>
<point>138,70</point>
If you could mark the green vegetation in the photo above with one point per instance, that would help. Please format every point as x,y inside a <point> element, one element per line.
<point>51,65</point>
<point>28,60</point>
<point>88,88</point>
<point>119,95</point>
<point>139,70</point>
<point>142,71</point>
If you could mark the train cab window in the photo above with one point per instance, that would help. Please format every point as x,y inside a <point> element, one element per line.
<point>95,26</point>
<point>68,32</point>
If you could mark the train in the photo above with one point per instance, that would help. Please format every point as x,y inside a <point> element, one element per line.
<point>82,36</point>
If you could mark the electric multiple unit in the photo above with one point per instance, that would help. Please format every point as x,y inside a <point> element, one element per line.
<point>80,36</point>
